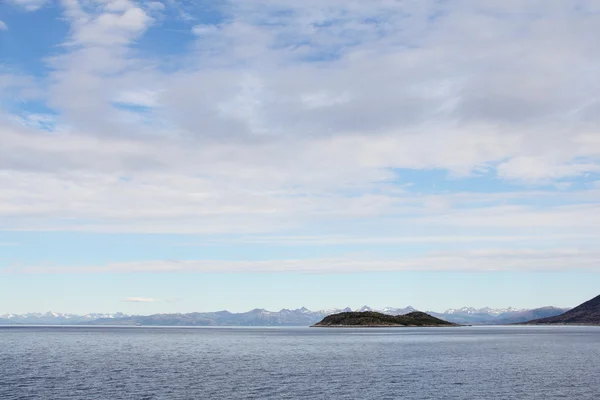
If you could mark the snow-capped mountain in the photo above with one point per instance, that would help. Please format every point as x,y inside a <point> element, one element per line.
<point>485,310</point>
<point>385,310</point>
<point>54,318</point>
<point>284,317</point>
<point>495,316</point>
<point>397,311</point>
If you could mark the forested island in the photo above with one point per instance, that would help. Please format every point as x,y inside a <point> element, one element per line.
<point>376,319</point>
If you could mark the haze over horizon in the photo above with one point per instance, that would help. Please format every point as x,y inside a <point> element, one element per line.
<point>179,156</point>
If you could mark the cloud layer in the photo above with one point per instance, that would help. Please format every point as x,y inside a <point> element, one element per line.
<point>273,117</point>
<point>139,300</point>
<point>521,260</point>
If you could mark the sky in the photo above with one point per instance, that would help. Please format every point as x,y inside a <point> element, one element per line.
<point>179,156</point>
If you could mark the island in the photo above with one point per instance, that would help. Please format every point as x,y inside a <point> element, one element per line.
<point>375,319</point>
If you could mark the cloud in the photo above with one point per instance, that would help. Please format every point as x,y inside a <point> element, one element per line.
<point>155,6</point>
<point>125,185</point>
<point>325,240</point>
<point>539,169</point>
<point>139,300</point>
<point>3,26</point>
<point>121,22</point>
<point>17,85</point>
<point>118,5</point>
<point>299,116</point>
<point>29,5</point>
<point>202,30</point>
<point>141,98</point>
<point>519,260</point>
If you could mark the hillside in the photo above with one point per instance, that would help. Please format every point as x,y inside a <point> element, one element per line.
<point>527,315</point>
<point>587,313</point>
<point>375,319</point>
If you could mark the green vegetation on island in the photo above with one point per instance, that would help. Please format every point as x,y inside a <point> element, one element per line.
<point>375,319</point>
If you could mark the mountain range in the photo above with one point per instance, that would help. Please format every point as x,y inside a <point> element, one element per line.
<point>53,318</point>
<point>587,313</point>
<point>284,317</point>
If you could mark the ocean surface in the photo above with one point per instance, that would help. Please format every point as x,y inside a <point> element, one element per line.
<point>299,363</point>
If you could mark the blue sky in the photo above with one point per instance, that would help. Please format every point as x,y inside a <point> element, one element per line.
<point>207,155</point>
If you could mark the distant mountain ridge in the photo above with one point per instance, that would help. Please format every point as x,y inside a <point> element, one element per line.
<point>485,310</point>
<point>53,318</point>
<point>283,317</point>
<point>587,313</point>
<point>487,316</point>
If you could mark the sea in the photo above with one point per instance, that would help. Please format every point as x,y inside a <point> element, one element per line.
<point>518,362</point>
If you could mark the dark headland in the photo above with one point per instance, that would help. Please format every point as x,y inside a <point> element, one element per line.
<point>375,319</point>
<point>587,313</point>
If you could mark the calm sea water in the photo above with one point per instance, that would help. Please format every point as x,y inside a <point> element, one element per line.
<point>299,363</point>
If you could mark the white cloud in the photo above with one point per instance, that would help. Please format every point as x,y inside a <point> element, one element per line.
<point>15,85</point>
<point>155,6</point>
<point>144,98</point>
<point>579,216</point>
<point>139,300</point>
<point>119,22</point>
<point>3,26</point>
<point>124,184</point>
<point>118,5</point>
<point>204,30</point>
<point>321,99</point>
<point>287,119</point>
<point>109,28</point>
<point>29,5</point>
<point>541,170</point>
<point>325,240</point>
<point>520,260</point>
